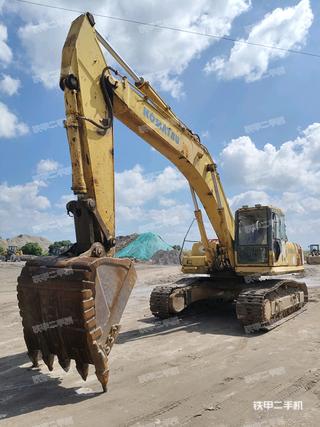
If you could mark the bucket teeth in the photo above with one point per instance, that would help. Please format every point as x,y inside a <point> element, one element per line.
<point>48,360</point>
<point>34,356</point>
<point>103,378</point>
<point>83,369</point>
<point>65,364</point>
<point>73,312</point>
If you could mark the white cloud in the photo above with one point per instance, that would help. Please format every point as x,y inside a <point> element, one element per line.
<point>49,169</point>
<point>167,83</point>
<point>174,216</point>
<point>10,126</point>
<point>20,205</point>
<point>143,203</point>
<point>23,196</point>
<point>294,164</point>
<point>166,202</point>
<point>45,166</point>
<point>287,177</point>
<point>54,226</point>
<point>171,223</point>
<point>5,51</point>
<point>9,85</point>
<point>290,202</point>
<point>134,188</point>
<point>24,210</point>
<point>162,55</point>
<point>249,198</point>
<point>285,28</point>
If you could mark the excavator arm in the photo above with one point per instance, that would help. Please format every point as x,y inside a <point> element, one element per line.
<point>94,94</point>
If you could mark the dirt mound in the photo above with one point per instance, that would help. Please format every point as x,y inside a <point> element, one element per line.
<point>144,247</point>
<point>3,243</point>
<point>166,257</point>
<point>123,241</point>
<point>22,239</point>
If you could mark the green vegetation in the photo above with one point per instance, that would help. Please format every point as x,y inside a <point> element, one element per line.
<point>32,249</point>
<point>57,245</point>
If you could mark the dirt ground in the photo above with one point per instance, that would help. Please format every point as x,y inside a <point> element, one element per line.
<point>196,370</point>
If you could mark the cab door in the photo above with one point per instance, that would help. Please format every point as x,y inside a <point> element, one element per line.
<point>279,238</point>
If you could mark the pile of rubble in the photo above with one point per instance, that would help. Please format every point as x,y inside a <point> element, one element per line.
<point>166,257</point>
<point>123,241</point>
<point>148,247</point>
<point>144,247</point>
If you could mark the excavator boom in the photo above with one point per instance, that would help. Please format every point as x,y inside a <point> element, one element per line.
<point>141,109</point>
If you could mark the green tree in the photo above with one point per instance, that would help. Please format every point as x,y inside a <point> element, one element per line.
<point>31,248</point>
<point>2,250</point>
<point>57,245</point>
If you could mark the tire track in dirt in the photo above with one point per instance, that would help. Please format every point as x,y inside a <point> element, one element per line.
<point>308,381</point>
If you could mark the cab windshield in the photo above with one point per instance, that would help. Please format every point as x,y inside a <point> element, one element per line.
<point>253,228</point>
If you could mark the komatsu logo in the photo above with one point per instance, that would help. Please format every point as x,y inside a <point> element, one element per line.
<point>159,124</point>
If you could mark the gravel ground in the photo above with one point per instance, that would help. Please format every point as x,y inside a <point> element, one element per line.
<point>196,370</point>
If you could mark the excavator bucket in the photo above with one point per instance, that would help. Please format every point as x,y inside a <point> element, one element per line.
<point>71,308</point>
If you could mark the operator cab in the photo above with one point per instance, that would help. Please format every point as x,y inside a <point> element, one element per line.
<point>260,235</point>
<point>314,249</point>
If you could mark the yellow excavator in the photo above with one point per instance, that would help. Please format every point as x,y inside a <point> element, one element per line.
<point>71,305</point>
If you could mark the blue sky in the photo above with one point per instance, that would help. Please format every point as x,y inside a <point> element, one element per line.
<point>256,110</point>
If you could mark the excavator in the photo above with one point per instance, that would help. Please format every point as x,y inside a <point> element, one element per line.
<point>71,304</point>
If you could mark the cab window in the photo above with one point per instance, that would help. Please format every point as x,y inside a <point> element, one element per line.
<point>253,229</point>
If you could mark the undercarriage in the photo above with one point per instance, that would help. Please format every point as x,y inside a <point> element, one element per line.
<point>260,305</point>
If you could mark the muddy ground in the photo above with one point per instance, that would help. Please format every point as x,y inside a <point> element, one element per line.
<point>196,370</point>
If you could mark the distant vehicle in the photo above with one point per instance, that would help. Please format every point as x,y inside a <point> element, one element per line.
<point>13,253</point>
<point>314,254</point>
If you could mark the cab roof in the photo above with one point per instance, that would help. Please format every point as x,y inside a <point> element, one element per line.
<point>258,207</point>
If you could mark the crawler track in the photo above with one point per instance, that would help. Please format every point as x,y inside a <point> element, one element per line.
<point>251,303</point>
<point>160,300</point>
<point>263,306</point>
